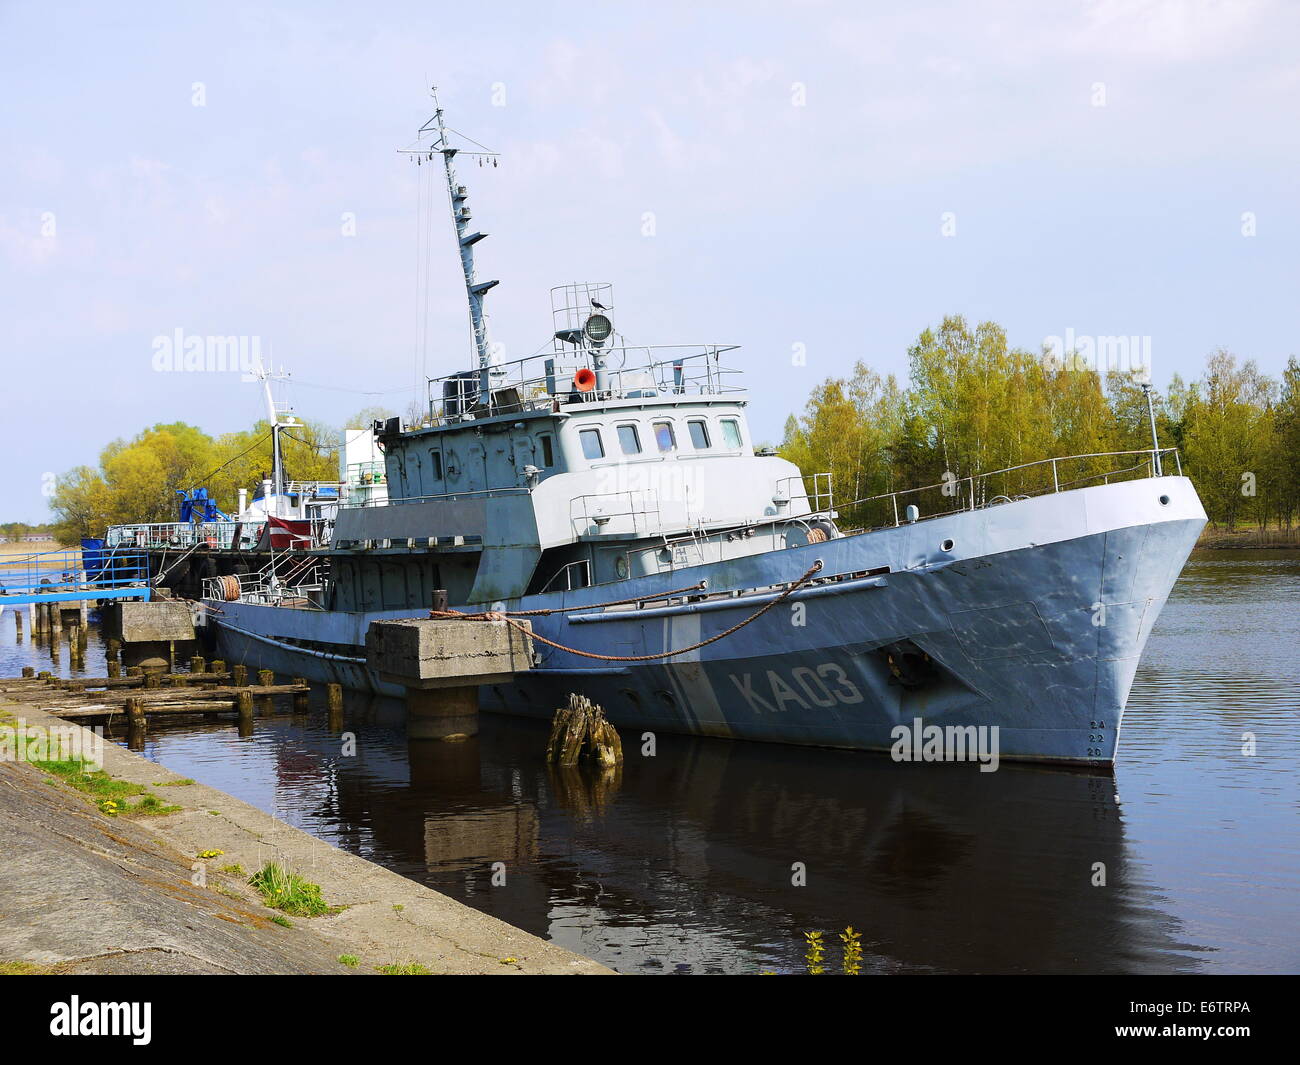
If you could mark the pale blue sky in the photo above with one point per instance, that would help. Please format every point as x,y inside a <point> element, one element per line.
<point>776,224</point>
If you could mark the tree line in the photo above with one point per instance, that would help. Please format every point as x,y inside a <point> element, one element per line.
<point>137,480</point>
<point>973,404</point>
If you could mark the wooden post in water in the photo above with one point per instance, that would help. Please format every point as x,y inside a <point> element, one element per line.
<point>29,671</point>
<point>266,677</point>
<point>240,676</point>
<point>197,664</point>
<point>135,713</point>
<point>244,702</point>
<point>334,699</point>
<point>135,671</point>
<point>152,679</point>
<point>300,699</point>
<point>114,668</point>
<point>217,666</point>
<point>18,624</point>
<point>580,732</point>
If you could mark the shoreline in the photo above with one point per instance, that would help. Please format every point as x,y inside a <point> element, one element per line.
<point>130,903</point>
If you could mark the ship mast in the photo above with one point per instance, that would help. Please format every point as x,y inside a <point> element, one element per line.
<point>266,376</point>
<point>460,215</point>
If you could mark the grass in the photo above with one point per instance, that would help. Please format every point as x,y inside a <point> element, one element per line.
<point>172,783</point>
<point>282,921</point>
<point>111,796</point>
<point>350,960</point>
<point>22,968</point>
<point>234,870</point>
<point>287,891</point>
<point>409,969</point>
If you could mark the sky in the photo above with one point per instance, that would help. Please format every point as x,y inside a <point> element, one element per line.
<point>817,182</point>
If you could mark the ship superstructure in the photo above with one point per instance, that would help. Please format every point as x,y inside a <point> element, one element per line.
<point>615,487</point>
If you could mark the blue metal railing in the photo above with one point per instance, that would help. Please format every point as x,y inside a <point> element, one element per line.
<point>58,576</point>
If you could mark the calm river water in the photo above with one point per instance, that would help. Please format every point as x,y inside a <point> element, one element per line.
<point>683,863</point>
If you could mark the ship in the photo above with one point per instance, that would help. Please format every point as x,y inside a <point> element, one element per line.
<point>690,581</point>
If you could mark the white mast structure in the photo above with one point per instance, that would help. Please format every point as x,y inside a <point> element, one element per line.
<point>460,215</point>
<point>266,376</point>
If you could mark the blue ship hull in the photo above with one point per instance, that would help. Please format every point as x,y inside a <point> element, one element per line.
<point>1029,617</point>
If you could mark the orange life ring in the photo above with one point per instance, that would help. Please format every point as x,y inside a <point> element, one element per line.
<point>584,380</point>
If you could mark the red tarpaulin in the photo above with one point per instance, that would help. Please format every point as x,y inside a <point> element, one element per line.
<point>280,533</point>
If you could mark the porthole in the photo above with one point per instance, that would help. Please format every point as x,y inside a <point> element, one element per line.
<point>947,545</point>
<point>1164,501</point>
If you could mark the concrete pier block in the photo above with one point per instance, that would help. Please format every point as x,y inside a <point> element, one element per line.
<point>441,664</point>
<point>442,713</point>
<point>448,653</point>
<point>158,621</point>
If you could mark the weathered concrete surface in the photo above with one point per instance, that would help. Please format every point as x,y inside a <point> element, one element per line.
<point>158,621</point>
<point>134,909</point>
<point>446,652</point>
<point>85,893</point>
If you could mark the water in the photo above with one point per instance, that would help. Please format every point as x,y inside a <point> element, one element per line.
<point>684,862</point>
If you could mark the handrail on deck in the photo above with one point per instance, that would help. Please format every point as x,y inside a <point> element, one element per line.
<point>952,487</point>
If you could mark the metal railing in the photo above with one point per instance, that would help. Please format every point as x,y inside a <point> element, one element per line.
<point>563,580</point>
<point>396,501</point>
<point>181,534</point>
<point>631,371</point>
<point>601,508</point>
<point>73,575</point>
<point>972,492</point>
<point>298,578</point>
<point>821,498</point>
<point>366,473</point>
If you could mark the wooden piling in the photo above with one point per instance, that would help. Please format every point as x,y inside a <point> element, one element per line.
<point>216,666</point>
<point>580,732</point>
<point>114,669</point>
<point>29,671</point>
<point>135,714</point>
<point>18,625</point>
<point>240,675</point>
<point>135,671</point>
<point>301,699</point>
<point>334,697</point>
<point>153,680</point>
<point>265,677</point>
<point>197,664</point>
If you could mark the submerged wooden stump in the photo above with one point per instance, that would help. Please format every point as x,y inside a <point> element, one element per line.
<point>580,733</point>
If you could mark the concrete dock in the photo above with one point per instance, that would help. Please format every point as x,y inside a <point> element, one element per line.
<point>82,892</point>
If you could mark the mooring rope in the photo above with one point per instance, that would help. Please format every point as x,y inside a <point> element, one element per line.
<point>496,615</point>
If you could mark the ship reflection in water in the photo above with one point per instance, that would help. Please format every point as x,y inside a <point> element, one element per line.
<point>686,861</point>
<point>683,862</point>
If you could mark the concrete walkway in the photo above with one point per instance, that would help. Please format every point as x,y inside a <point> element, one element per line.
<point>83,892</point>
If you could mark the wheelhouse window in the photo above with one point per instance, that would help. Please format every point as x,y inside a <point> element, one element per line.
<point>699,434</point>
<point>731,433</point>
<point>548,451</point>
<point>629,440</point>
<point>665,438</point>
<point>592,445</point>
